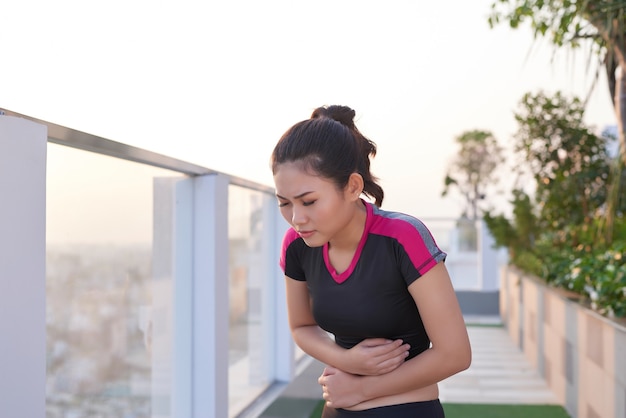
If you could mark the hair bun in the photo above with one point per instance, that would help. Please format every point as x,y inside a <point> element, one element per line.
<point>342,114</point>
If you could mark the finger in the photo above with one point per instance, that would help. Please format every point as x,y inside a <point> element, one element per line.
<point>326,372</point>
<point>386,349</point>
<point>399,356</point>
<point>374,342</point>
<point>392,363</point>
<point>329,370</point>
<point>399,352</point>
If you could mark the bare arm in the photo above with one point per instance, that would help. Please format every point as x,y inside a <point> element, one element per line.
<point>370,357</point>
<point>449,354</point>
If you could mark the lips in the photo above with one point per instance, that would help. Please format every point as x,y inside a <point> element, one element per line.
<point>306,234</point>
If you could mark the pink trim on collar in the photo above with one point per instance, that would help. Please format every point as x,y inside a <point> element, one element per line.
<point>342,277</point>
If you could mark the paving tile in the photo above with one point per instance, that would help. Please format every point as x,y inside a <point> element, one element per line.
<point>499,374</point>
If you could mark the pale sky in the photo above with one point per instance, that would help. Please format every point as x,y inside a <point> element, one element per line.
<point>216,83</point>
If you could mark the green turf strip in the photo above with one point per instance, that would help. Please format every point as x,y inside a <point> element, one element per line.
<point>455,410</point>
<point>317,412</point>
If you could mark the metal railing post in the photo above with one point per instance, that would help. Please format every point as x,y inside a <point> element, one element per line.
<point>210,297</point>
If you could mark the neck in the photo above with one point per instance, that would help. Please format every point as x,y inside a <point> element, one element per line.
<point>351,235</point>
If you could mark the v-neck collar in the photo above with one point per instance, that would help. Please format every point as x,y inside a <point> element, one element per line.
<point>342,277</point>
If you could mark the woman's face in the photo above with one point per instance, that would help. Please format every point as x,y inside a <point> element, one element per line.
<point>312,205</point>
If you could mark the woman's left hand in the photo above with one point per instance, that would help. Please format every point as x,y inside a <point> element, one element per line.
<point>340,389</point>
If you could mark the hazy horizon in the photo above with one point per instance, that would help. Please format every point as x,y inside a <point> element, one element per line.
<point>217,83</point>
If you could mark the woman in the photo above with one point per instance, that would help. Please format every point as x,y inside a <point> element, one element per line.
<point>374,279</point>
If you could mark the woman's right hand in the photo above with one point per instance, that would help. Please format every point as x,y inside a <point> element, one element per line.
<point>375,356</point>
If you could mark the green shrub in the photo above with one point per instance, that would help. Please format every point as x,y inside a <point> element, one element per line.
<point>604,275</point>
<point>572,230</point>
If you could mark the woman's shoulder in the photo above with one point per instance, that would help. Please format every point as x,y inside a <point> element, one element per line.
<point>290,237</point>
<point>395,222</point>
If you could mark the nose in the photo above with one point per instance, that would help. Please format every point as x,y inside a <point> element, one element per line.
<point>297,216</point>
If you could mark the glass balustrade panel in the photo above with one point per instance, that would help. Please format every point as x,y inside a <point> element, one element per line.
<point>249,331</point>
<point>107,347</point>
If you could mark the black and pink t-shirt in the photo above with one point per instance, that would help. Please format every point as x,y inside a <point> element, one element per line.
<point>370,299</point>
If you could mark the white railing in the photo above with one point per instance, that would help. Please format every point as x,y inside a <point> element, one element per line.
<point>184,350</point>
<point>22,268</point>
<point>188,321</point>
<point>473,262</point>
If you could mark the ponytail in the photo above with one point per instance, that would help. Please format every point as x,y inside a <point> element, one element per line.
<point>330,144</point>
<point>367,148</point>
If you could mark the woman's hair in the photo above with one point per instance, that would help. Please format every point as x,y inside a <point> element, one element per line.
<point>329,144</point>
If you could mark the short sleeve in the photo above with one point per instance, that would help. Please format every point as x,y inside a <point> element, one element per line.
<point>289,255</point>
<point>421,251</point>
<point>416,251</point>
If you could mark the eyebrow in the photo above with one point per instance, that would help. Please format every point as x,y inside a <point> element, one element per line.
<point>301,195</point>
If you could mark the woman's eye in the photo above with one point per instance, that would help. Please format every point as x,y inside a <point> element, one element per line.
<point>282,204</point>
<point>308,203</point>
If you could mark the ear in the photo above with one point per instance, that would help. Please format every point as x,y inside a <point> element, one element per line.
<point>354,188</point>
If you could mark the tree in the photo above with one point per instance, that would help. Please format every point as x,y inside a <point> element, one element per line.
<point>473,168</point>
<point>568,23</point>
<point>519,234</point>
<point>568,162</point>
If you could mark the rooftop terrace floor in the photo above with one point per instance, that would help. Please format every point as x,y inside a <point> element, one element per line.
<point>499,374</point>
